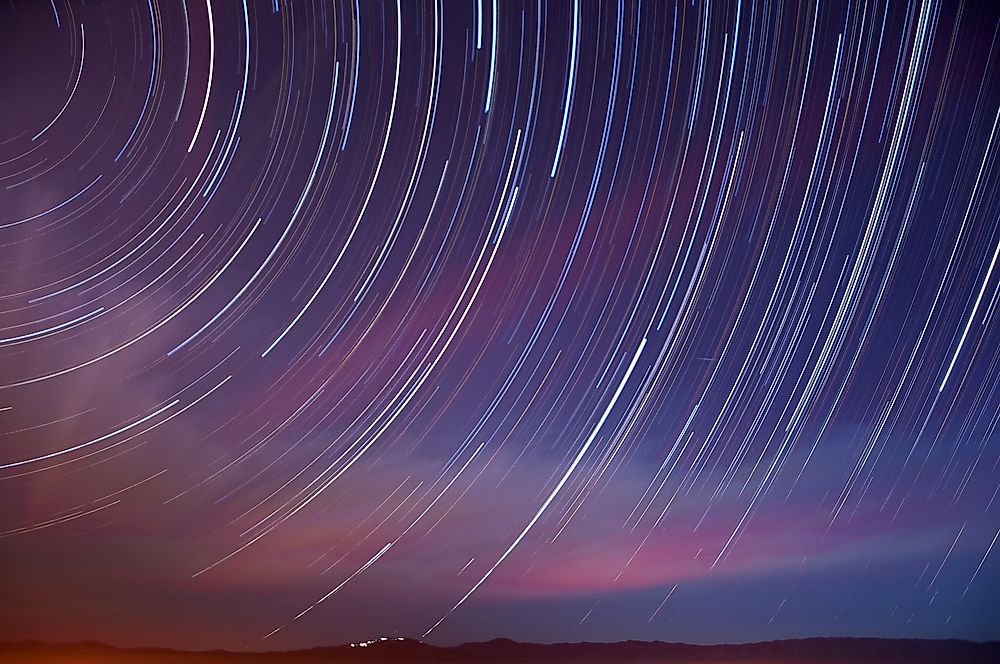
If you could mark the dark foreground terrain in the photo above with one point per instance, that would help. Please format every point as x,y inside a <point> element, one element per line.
<point>502,651</point>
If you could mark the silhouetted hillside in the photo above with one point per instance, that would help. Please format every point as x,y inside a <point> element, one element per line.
<point>505,651</point>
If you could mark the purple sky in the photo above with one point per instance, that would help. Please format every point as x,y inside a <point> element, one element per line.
<point>554,321</point>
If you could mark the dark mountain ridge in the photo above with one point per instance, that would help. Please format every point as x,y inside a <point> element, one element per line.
<point>502,651</point>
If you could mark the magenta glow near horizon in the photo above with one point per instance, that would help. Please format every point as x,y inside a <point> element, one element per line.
<point>322,321</point>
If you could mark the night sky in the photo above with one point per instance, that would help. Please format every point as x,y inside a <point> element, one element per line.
<point>555,321</point>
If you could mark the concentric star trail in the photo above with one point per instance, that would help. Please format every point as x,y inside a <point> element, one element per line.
<point>569,320</point>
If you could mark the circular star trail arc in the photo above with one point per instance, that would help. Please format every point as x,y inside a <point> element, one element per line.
<point>484,304</point>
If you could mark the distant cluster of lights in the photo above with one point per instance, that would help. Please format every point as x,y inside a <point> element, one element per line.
<point>365,644</point>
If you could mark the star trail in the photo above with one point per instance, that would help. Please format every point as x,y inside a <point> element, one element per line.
<point>326,320</point>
